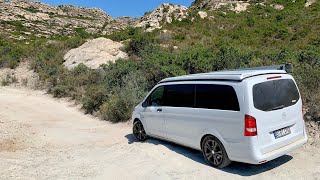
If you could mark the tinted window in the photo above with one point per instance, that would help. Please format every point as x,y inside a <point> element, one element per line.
<point>277,94</point>
<point>181,95</point>
<point>156,97</point>
<point>221,97</point>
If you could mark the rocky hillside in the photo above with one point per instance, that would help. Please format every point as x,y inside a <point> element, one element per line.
<point>22,19</point>
<point>27,19</point>
<point>235,5</point>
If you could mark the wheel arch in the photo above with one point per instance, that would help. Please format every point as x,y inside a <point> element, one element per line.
<point>216,135</point>
<point>136,119</point>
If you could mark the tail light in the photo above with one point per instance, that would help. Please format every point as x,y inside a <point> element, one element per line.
<point>250,128</point>
<point>273,77</point>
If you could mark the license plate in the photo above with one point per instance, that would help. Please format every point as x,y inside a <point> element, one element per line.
<point>281,132</point>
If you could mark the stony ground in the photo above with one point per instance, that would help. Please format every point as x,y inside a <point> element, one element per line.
<point>45,138</point>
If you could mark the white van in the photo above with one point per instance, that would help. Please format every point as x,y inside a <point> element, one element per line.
<point>250,116</point>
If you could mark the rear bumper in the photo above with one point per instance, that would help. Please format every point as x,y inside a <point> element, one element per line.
<point>260,159</point>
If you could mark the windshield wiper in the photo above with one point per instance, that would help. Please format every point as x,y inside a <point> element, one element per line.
<point>276,108</point>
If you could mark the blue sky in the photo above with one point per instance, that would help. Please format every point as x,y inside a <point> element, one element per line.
<point>116,8</point>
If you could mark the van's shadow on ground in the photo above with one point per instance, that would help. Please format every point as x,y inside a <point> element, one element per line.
<point>241,169</point>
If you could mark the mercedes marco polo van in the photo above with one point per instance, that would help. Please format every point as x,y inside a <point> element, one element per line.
<point>251,116</point>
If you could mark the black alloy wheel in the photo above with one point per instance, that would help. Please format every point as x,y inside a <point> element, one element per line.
<point>139,132</point>
<point>214,152</point>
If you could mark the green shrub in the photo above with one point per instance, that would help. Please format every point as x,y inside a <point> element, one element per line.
<point>119,106</point>
<point>82,32</point>
<point>30,9</point>
<point>140,45</point>
<point>60,91</point>
<point>94,97</point>
<point>114,72</point>
<point>231,58</point>
<point>309,57</point>
<point>11,55</point>
<point>130,33</point>
<point>115,110</point>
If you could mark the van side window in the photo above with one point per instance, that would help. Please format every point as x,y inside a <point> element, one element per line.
<point>212,96</point>
<point>156,97</point>
<point>181,95</point>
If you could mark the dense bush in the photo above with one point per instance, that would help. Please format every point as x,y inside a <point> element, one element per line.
<point>94,97</point>
<point>114,90</point>
<point>120,105</point>
<point>11,54</point>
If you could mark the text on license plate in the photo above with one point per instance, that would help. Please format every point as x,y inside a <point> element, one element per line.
<point>281,132</point>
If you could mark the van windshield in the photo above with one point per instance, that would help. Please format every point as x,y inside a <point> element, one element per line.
<point>274,95</point>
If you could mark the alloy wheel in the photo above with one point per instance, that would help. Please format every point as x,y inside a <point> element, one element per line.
<point>139,132</point>
<point>213,152</point>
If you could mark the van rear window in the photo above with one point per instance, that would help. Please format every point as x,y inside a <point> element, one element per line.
<point>276,94</point>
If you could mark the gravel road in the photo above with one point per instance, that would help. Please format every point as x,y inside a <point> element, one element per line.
<point>46,138</point>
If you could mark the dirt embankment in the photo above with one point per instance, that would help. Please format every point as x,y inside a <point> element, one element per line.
<point>46,138</point>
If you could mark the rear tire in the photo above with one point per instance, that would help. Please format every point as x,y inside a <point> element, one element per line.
<point>139,132</point>
<point>214,152</point>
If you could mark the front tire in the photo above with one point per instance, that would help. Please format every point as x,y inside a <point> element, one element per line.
<point>139,132</point>
<point>214,152</point>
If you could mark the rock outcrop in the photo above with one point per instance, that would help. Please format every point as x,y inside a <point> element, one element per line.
<point>95,53</point>
<point>309,3</point>
<point>277,6</point>
<point>40,19</point>
<point>232,5</point>
<point>164,13</point>
<point>202,14</point>
<point>118,24</point>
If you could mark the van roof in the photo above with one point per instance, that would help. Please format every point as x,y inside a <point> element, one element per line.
<point>227,75</point>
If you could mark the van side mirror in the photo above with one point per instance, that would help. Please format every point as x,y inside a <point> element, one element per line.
<point>144,104</point>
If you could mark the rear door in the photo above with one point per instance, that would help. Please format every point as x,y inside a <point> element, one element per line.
<point>277,107</point>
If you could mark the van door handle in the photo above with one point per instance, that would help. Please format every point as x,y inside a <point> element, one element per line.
<point>159,110</point>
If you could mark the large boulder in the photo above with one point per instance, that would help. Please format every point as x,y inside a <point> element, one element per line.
<point>95,53</point>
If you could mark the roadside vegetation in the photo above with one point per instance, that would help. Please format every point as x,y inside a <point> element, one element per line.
<point>264,36</point>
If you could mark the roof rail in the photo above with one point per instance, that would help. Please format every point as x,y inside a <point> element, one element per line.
<point>287,67</point>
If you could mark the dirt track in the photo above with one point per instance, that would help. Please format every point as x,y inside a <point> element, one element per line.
<point>45,138</point>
